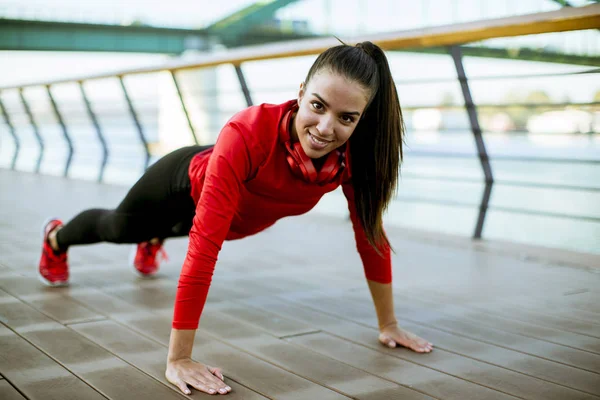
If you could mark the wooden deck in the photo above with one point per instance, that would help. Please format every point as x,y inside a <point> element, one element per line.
<point>289,316</point>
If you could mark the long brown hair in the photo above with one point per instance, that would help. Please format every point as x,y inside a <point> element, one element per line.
<point>376,144</point>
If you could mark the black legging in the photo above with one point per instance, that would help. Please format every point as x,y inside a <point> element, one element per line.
<point>159,205</point>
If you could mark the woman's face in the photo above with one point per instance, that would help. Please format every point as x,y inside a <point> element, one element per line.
<point>330,107</point>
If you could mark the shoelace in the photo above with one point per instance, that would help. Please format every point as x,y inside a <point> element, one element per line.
<point>157,250</point>
<point>54,256</point>
<point>54,261</point>
<point>163,254</point>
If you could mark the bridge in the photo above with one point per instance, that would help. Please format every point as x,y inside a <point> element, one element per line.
<point>496,256</point>
<point>254,24</point>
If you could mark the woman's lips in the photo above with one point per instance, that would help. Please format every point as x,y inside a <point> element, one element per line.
<point>317,143</point>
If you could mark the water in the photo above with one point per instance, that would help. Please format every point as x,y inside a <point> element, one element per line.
<point>515,212</point>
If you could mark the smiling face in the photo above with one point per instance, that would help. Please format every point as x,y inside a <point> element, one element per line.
<point>330,107</point>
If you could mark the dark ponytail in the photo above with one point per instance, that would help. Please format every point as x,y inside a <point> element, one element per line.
<point>376,144</point>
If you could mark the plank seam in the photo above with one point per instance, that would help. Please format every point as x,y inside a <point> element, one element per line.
<point>462,355</point>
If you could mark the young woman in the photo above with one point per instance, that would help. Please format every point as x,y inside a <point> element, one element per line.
<point>270,161</point>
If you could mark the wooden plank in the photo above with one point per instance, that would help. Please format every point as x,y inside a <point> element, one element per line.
<point>8,392</point>
<point>484,374</point>
<point>558,322</point>
<point>134,348</point>
<point>109,274</point>
<point>46,300</point>
<point>456,320</point>
<point>514,360</point>
<point>274,324</point>
<point>582,297</point>
<point>583,381</point>
<point>96,366</point>
<point>35,374</point>
<point>556,308</point>
<point>540,316</point>
<point>259,375</point>
<point>253,373</point>
<point>145,354</point>
<point>325,371</point>
<point>584,301</point>
<point>447,305</point>
<point>248,371</point>
<point>152,294</point>
<point>466,275</point>
<point>426,380</point>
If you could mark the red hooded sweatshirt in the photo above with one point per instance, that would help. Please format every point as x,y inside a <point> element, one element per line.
<point>243,185</point>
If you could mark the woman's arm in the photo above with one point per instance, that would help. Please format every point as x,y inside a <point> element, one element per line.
<point>227,168</point>
<point>378,271</point>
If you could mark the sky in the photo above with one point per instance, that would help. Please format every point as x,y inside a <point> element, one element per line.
<point>338,16</point>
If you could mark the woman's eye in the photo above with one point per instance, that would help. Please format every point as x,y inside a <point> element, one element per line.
<point>317,106</point>
<point>347,119</point>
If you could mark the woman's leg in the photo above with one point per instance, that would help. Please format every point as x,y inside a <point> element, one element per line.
<point>159,201</point>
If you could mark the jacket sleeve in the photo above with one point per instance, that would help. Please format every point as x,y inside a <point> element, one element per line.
<point>228,167</point>
<point>377,267</point>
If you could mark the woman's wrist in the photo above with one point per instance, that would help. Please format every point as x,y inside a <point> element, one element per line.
<point>385,325</point>
<point>171,359</point>
<point>180,345</point>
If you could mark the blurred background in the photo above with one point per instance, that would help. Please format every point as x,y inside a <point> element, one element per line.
<point>537,100</point>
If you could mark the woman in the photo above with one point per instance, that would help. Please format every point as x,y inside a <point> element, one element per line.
<point>270,161</point>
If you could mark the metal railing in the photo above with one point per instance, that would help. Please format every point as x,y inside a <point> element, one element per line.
<point>568,19</point>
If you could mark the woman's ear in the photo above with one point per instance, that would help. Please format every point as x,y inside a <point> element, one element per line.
<point>301,92</point>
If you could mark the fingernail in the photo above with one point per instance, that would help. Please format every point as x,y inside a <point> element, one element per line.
<point>228,388</point>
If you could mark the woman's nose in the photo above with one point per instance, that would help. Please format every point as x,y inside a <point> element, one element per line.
<point>325,126</point>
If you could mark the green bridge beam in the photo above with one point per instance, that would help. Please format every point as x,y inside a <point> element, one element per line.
<point>64,36</point>
<point>60,36</point>
<point>231,28</point>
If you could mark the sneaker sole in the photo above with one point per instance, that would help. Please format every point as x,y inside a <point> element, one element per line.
<point>40,276</point>
<point>52,284</point>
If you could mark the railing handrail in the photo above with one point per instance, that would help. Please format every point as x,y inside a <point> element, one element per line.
<point>565,19</point>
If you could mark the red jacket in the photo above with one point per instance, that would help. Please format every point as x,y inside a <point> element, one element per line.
<point>241,187</point>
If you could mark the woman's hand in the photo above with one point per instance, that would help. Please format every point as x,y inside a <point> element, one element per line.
<point>392,335</point>
<point>202,377</point>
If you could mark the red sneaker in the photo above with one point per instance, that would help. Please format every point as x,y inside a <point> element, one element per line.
<point>53,268</point>
<point>146,257</point>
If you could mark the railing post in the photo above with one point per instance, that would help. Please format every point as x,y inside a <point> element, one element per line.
<point>243,84</point>
<point>13,133</point>
<point>35,130</point>
<point>65,132</point>
<point>92,116</point>
<point>187,116</point>
<point>137,122</point>
<point>476,129</point>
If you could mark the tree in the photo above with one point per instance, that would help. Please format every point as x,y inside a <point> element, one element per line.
<point>538,97</point>
<point>447,99</point>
